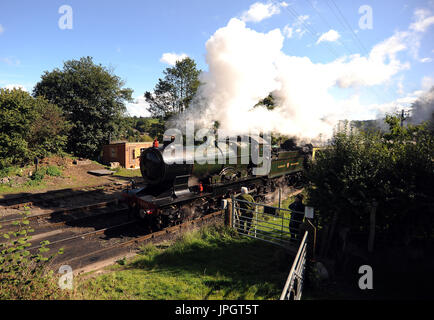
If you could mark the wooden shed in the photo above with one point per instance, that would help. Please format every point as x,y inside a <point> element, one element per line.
<point>126,153</point>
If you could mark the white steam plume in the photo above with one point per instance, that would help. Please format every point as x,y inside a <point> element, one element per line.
<point>423,108</point>
<point>245,66</point>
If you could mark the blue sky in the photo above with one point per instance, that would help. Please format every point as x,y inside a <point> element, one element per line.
<point>132,36</point>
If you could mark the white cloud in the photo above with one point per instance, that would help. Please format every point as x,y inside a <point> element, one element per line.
<point>260,11</point>
<point>423,20</point>
<point>331,36</point>
<point>287,31</point>
<point>427,83</point>
<point>172,58</point>
<point>138,108</point>
<point>299,24</point>
<point>400,85</point>
<point>15,86</point>
<point>1,29</point>
<point>377,68</point>
<point>413,36</point>
<point>11,61</point>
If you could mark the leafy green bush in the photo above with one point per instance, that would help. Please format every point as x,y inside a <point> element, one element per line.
<point>391,172</point>
<point>53,171</point>
<point>24,275</point>
<point>38,176</point>
<point>9,171</point>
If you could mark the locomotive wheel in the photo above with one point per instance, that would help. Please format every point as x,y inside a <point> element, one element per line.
<point>142,214</point>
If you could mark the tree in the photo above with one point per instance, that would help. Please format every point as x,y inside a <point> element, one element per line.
<point>392,173</point>
<point>268,102</point>
<point>29,127</point>
<point>92,99</point>
<point>174,93</point>
<point>48,133</point>
<point>16,114</point>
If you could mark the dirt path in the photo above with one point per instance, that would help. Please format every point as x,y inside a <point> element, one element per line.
<point>73,176</point>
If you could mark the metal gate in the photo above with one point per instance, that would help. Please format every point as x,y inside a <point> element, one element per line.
<point>294,283</point>
<point>267,223</point>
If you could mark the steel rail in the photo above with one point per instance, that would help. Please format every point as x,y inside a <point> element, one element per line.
<point>43,197</point>
<point>87,234</point>
<point>79,220</point>
<point>63,211</point>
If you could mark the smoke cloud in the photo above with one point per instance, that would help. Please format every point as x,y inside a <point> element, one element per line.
<point>246,65</point>
<point>423,108</point>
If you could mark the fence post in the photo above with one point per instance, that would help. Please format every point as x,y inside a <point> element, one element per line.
<point>228,213</point>
<point>256,218</point>
<point>311,239</point>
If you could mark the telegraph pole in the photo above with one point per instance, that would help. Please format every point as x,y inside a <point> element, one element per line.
<point>404,115</point>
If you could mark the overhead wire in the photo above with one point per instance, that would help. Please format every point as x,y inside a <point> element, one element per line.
<point>344,22</point>
<point>314,34</point>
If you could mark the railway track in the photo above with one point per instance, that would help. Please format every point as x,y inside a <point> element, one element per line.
<point>98,234</point>
<point>28,200</point>
<point>94,233</point>
<point>59,224</point>
<point>57,213</point>
<point>97,258</point>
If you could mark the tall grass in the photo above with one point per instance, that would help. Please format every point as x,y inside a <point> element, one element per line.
<point>213,263</point>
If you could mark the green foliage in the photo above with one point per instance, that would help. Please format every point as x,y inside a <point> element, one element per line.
<point>39,175</point>
<point>53,171</point>
<point>10,171</point>
<point>268,102</point>
<point>16,114</point>
<point>141,129</point>
<point>393,171</point>
<point>157,129</point>
<point>92,99</point>
<point>49,130</point>
<point>29,127</point>
<point>174,93</point>
<point>23,274</point>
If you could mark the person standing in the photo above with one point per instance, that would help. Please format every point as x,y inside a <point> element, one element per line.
<point>246,209</point>
<point>297,215</point>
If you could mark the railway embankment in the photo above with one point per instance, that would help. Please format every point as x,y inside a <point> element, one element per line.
<point>213,262</point>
